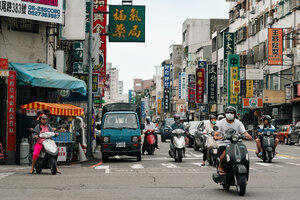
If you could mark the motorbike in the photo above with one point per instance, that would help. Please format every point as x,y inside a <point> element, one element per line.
<point>150,141</point>
<point>236,164</point>
<point>268,145</point>
<point>177,145</point>
<point>212,149</point>
<point>48,156</point>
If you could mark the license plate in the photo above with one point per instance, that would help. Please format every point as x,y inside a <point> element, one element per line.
<point>121,144</point>
<point>215,151</point>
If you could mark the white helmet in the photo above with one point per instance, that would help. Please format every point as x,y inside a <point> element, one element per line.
<point>148,118</point>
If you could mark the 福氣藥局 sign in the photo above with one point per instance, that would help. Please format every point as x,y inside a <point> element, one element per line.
<point>39,10</point>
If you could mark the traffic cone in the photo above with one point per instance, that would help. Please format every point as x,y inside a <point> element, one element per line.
<point>82,156</point>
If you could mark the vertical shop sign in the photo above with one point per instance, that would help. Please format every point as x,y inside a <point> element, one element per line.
<point>200,85</point>
<point>228,49</point>
<point>233,75</point>
<point>182,85</point>
<point>212,84</point>
<point>127,23</point>
<point>85,78</point>
<point>167,72</point>
<point>166,100</point>
<point>192,92</point>
<point>275,44</point>
<point>179,85</point>
<point>159,106</point>
<point>249,88</point>
<point>11,111</point>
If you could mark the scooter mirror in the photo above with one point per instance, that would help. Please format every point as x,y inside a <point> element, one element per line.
<point>169,127</point>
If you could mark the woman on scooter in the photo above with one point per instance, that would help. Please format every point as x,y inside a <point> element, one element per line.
<point>208,128</point>
<point>40,128</point>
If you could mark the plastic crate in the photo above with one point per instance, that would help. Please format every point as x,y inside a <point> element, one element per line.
<point>63,137</point>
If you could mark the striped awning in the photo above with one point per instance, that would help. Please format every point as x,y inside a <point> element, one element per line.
<point>55,108</point>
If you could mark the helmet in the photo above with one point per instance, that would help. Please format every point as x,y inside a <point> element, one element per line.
<point>230,109</point>
<point>212,116</point>
<point>266,117</point>
<point>43,116</point>
<point>148,118</point>
<point>220,117</point>
<point>176,116</point>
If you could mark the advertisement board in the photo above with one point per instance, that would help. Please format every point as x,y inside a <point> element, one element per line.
<point>275,46</point>
<point>200,85</point>
<point>274,96</point>
<point>252,103</point>
<point>212,84</point>
<point>192,92</point>
<point>85,77</point>
<point>42,10</point>
<point>233,75</point>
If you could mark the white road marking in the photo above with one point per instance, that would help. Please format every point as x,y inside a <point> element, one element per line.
<point>117,157</point>
<point>188,155</point>
<point>290,163</point>
<point>105,167</point>
<point>263,164</point>
<point>3,175</point>
<point>197,156</point>
<point>169,165</point>
<point>198,164</point>
<point>137,166</point>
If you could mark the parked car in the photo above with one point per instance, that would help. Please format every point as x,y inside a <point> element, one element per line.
<point>193,125</point>
<point>199,140</point>
<point>284,133</point>
<point>166,133</point>
<point>294,136</point>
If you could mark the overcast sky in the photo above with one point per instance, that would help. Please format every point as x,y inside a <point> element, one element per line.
<point>164,19</point>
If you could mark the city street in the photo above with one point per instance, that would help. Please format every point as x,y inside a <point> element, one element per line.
<point>155,177</point>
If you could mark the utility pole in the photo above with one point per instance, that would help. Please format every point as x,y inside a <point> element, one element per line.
<point>90,95</point>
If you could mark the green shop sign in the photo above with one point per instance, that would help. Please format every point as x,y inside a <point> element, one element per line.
<point>127,23</point>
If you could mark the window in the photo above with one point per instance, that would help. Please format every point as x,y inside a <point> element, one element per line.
<point>275,79</point>
<point>120,121</point>
<point>24,25</point>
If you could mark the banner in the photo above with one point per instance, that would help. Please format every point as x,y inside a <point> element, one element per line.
<point>127,23</point>
<point>167,100</point>
<point>212,84</point>
<point>249,88</point>
<point>192,92</point>
<point>200,85</point>
<point>233,75</point>
<point>11,111</point>
<point>39,10</point>
<point>167,73</point>
<point>275,44</point>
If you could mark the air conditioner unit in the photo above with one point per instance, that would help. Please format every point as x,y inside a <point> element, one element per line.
<point>242,13</point>
<point>252,10</point>
<point>270,20</point>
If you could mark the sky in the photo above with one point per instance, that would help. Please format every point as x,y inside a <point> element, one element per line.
<point>164,19</point>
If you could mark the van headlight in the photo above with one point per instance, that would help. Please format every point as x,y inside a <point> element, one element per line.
<point>106,139</point>
<point>135,139</point>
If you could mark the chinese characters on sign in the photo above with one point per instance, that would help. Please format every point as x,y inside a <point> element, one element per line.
<point>11,111</point>
<point>228,49</point>
<point>192,92</point>
<point>85,77</point>
<point>275,37</point>
<point>167,76</point>
<point>40,10</point>
<point>3,63</point>
<point>182,85</point>
<point>200,85</point>
<point>127,23</point>
<point>167,100</point>
<point>249,88</point>
<point>212,84</point>
<point>233,75</point>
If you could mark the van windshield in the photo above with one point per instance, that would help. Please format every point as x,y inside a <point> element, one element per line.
<point>120,121</point>
<point>170,122</point>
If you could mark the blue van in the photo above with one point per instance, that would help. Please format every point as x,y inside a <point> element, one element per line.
<point>121,130</point>
<point>166,132</point>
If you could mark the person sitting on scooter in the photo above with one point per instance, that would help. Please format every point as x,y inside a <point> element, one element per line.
<point>177,124</point>
<point>40,128</point>
<point>224,125</point>
<point>208,128</point>
<point>266,125</point>
<point>149,126</point>
<point>220,117</point>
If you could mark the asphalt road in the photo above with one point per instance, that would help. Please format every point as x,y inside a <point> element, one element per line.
<point>155,177</point>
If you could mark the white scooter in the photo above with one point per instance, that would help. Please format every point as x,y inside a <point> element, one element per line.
<point>177,147</point>
<point>48,156</point>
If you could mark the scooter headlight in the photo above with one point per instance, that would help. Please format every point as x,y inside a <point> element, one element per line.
<point>235,137</point>
<point>268,133</point>
<point>106,139</point>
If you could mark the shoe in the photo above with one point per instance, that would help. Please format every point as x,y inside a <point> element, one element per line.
<point>260,154</point>
<point>143,153</point>
<point>157,147</point>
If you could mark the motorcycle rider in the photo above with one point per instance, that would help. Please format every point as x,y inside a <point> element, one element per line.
<point>266,125</point>
<point>230,121</point>
<point>176,125</point>
<point>40,128</point>
<point>208,128</point>
<point>148,126</point>
<point>220,117</point>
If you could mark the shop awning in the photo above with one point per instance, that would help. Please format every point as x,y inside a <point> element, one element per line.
<point>43,75</point>
<point>55,108</point>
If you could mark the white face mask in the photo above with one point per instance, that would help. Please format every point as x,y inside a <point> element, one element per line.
<point>229,116</point>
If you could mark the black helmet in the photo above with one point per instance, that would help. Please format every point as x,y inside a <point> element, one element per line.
<point>266,117</point>
<point>212,116</point>
<point>176,116</point>
<point>230,109</point>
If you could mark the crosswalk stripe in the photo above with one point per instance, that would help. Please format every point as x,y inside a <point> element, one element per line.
<point>105,167</point>
<point>137,166</point>
<point>195,155</point>
<point>290,163</point>
<point>198,164</point>
<point>169,165</point>
<point>3,175</point>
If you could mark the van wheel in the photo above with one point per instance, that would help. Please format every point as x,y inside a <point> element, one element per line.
<point>289,141</point>
<point>139,157</point>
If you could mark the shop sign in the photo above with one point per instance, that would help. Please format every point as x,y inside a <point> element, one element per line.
<point>3,64</point>
<point>79,67</point>
<point>182,85</point>
<point>249,88</point>
<point>228,43</point>
<point>233,75</point>
<point>31,112</point>
<point>62,154</point>
<point>11,111</point>
<point>254,74</point>
<point>274,96</point>
<point>4,73</point>
<point>203,108</point>
<point>242,74</point>
<point>85,77</point>
<point>167,73</point>
<point>39,10</point>
<point>275,111</point>
<point>288,92</point>
<point>126,23</point>
<point>167,100</point>
<point>78,51</point>
<point>200,85</point>
<point>212,84</point>
<point>159,103</point>
<point>275,44</point>
<point>192,92</point>
<point>236,87</point>
<point>202,64</point>
<point>252,103</point>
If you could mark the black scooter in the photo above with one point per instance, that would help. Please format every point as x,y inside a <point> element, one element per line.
<point>236,164</point>
<point>268,145</point>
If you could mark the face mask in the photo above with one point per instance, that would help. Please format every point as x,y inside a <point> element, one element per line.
<point>229,116</point>
<point>177,120</point>
<point>213,122</point>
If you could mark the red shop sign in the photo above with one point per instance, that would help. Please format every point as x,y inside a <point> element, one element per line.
<point>11,111</point>
<point>3,63</point>
<point>200,85</point>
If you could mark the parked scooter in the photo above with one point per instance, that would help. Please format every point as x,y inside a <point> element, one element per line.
<point>48,156</point>
<point>236,164</point>
<point>150,141</point>
<point>177,146</point>
<point>268,145</point>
